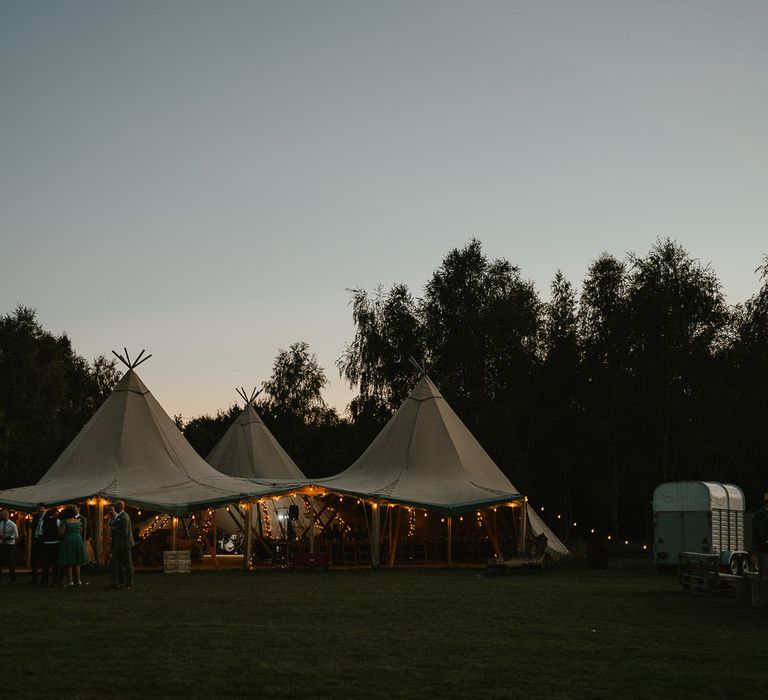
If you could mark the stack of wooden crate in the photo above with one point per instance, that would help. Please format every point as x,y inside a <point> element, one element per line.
<point>177,562</point>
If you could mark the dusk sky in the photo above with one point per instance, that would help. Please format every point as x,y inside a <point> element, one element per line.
<point>206,179</point>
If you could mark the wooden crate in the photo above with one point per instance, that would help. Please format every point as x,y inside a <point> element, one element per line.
<point>178,562</point>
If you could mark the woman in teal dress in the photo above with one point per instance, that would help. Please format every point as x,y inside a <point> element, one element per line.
<point>72,548</point>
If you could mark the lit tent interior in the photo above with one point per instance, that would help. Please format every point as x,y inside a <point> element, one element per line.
<point>131,450</point>
<point>426,458</point>
<point>249,450</point>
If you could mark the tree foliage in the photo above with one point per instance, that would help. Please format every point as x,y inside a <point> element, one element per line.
<point>47,393</point>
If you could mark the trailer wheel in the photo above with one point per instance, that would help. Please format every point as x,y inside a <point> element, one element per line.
<point>746,567</point>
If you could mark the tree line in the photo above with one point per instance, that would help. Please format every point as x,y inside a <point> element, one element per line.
<point>586,401</point>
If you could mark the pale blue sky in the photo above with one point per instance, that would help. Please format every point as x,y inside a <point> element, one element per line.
<point>204,179</point>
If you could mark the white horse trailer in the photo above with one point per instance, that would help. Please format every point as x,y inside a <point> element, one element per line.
<point>699,516</point>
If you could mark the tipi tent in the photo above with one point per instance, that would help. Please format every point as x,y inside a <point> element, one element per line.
<point>132,450</point>
<point>427,458</point>
<point>249,450</point>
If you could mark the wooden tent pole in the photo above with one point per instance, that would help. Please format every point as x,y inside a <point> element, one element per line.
<point>174,533</point>
<point>238,523</point>
<point>396,540</point>
<point>215,543</point>
<point>99,531</point>
<point>317,515</point>
<point>524,526</point>
<point>375,544</point>
<point>28,543</point>
<point>206,539</point>
<point>493,539</point>
<point>311,526</point>
<point>450,535</point>
<point>260,517</point>
<point>248,551</point>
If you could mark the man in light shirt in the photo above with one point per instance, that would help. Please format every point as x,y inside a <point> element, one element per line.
<point>9,534</point>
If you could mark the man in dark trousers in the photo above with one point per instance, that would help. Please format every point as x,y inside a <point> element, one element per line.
<point>121,561</point>
<point>50,554</point>
<point>760,537</point>
<point>36,532</point>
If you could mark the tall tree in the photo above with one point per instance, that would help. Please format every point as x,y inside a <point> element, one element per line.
<point>603,327</point>
<point>482,321</point>
<point>48,394</point>
<point>677,313</point>
<point>748,363</point>
<point>294,391</point>
<point>560,391</point>
<point>388,332</point>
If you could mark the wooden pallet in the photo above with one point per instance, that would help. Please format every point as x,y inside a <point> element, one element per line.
<point>699,573</point>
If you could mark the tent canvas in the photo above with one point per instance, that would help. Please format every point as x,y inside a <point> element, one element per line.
<point>426,457</point>
<point>132,450</point>
<point>249,450</point>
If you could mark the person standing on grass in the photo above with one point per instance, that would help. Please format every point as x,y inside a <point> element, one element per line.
<point>121,560</point>
<point>36,532</point>
<point>9,533</point>
<point>760,537</point>
<point>71,549</point>
<point>50,555</point>
<point>83,530</point>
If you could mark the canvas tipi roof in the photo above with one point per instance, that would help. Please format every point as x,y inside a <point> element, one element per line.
<point>426,457</point>
<point>250,451</point>
<point>132,450</point>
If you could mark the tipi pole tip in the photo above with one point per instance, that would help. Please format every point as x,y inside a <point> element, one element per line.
<point>418,366</point>
<point>137,362</point>
<point>127,359</point>
<point>122,359</point>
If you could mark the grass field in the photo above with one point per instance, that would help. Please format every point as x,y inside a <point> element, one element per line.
<point>625,632</point>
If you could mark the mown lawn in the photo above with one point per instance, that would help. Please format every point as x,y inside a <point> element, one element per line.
<point>571,633</point>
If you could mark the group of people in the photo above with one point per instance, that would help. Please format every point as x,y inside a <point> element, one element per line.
<point>58,546</point>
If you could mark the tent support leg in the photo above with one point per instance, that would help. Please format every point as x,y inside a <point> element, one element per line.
<point>524,525</point>
<point>394,541</point>
<point>311,531</point>
<point>450,537</point>
<point>248,550</point>
<point>375,543</point>
<point>493,539</point>
<point>99,553</point>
